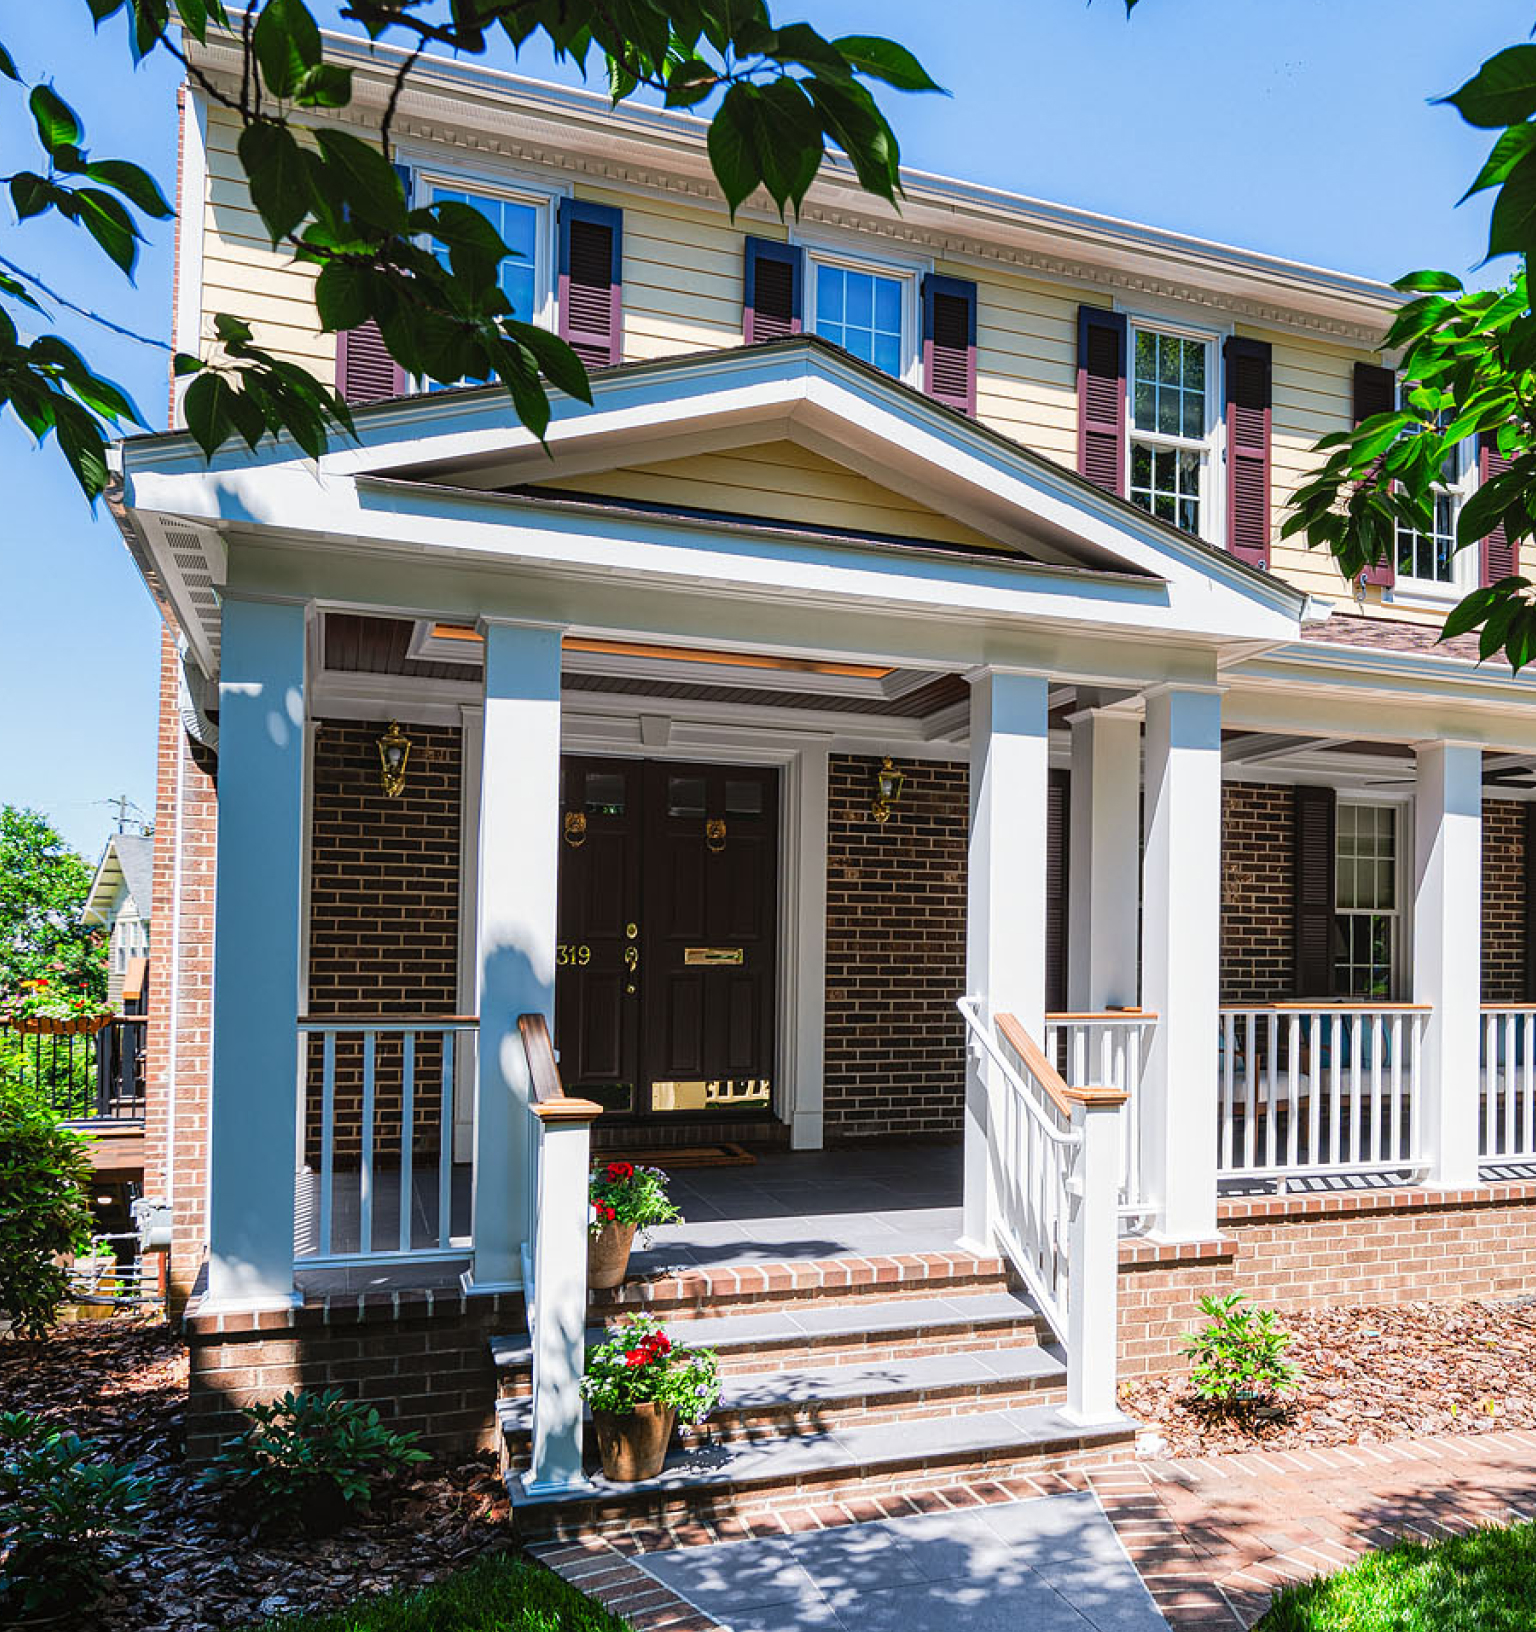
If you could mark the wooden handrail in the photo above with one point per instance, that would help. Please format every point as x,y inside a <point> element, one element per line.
<point>404,1022</point>
<point>1101,1016</point>
<point>551,1103</point>
<point>1322,1004</point>
<point>1046,1074</point>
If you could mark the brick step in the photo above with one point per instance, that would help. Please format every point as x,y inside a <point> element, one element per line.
<point>815,1334</point>
<point>862,1461</point>
<point>815,1400</point>
<point>715,1288</point>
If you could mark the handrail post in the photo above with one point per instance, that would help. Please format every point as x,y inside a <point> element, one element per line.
<point>557,1307</point>
<point>1094,1255</point>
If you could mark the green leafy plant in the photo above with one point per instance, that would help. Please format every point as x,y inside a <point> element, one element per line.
<point>52,1000</point>
<point>66,1514</point>
<point>43,887</point>
<point>622,1193</point>
<point>45,1213</point>
<point>310,1459</point>
<point>640,1363</point>
<point>1240,1355</point>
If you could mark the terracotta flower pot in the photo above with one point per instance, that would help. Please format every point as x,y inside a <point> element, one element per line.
<point>608,1255</point>
<point>633,1444</point>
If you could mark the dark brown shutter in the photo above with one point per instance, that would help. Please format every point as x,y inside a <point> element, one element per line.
<point>772,294</point>
<point>591,280</point>
<point>1314,816</point>
<point>1101,397</point>
<point>1058,806</point>
<point>1248,398</point>
<point>1376,393</point>
<point>1497,557</point>
<point>949,341</point>
<point>365,371</point>
<point>1528,877</point>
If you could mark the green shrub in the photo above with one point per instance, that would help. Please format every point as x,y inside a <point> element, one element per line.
<point>1239,1356</point>
<point>65,1514</point>
<point>311,1459</point>
<point>45,1212</point>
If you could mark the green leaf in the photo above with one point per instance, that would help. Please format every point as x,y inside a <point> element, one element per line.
<point>885,59</point>
<point>368,180</point>
<point>136,185</point>
<point>287,43</point>
<point>57,125</point>
<point>277,175</point>
<point>31,194</point>
<point>326,85</point>
<point>1512,146</point>
<point>1512,228</point>
<point>109,223</point>
<point>342,296</point>
<point>1501,92</point>
<point>558,361</point>
<point>206,408</point>
<point>732,147</point>
<point>1428,283</point>
<point>184,363</point>
<point>83,445</point>
<point>8,65</point>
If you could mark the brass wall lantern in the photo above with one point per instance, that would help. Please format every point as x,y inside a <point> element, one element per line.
<point>888,785</point>
<point>394,751</point>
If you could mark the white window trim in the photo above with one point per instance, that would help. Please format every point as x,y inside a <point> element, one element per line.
<point>1213,495</point>
<point>1407,590</point>
<point>854,255</point>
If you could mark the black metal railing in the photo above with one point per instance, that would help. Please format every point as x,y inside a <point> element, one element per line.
<point>83,1076</point>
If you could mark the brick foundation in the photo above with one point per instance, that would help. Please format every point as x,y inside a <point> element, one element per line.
<point>1310,1252</point>
<point>422,1358</point>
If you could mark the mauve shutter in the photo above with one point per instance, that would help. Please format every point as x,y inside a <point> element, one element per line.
<point>1057,859</point>
<point>591,280</point>
<point>1248,400</point>
<point>949,341</point>
<point>1101,397</point>
<point>1314,815</point>
<point>1376,393</point>
<point>1497,557</point>
<point>365,371</point>
<point>772,292</point>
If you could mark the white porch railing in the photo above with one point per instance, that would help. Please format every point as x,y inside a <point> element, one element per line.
<point>1322,1088</point>
<point>1108,1048</point>
<point>1054,1158</point>
<point>376,1174</point>
<point>1507,1115</point>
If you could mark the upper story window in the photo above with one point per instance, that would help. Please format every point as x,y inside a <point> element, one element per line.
<point>869,310</point>
<point>1430,562</point>
<point>1366,907</point>
<point>1172,427</point>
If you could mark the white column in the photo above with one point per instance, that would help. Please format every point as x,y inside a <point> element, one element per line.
<point>256,993</point>
<point>1103,865</point>
<point>1093,1332</point>
<point>557,1311</point>
<point>519,860</point>
<point>1005,894</point>
<point>1180,971</point>
<point>807,915</point>
<point>1447,938</point>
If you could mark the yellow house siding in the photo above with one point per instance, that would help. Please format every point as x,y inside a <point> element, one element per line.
<point>784,482</point>
<point>1026,362</point>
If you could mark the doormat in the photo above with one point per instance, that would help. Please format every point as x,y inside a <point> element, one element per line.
<point>684,1156</point>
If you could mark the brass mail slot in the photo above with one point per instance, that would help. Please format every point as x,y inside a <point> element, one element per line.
<point>708,956</point>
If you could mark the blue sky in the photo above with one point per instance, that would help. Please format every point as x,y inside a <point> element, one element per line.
<point>1301,127</point>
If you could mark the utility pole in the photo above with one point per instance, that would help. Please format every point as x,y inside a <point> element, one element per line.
<point>124,805</point>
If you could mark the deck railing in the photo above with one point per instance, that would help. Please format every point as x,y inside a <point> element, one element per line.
<point>1507,1110</point>
<point>1055,1154</point>
<point>83,1076</point>
<point>1307,1089</point>
<point>376,1174</point>
<point>1108,1048</point>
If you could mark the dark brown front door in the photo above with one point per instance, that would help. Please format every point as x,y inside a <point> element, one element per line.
<point>665,980</point>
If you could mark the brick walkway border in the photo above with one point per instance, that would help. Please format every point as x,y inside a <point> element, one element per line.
<point>1213,1537</point>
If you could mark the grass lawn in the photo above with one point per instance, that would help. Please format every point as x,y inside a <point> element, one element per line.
<point>496,1595</point>
<point>1482,1582</point>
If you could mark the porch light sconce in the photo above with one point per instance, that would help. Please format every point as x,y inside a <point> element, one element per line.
<point>394,751</point>
<point>888,785</point>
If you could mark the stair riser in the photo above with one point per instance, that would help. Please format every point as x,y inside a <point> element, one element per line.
<point>614,1515</point>
<point>718,1297</point>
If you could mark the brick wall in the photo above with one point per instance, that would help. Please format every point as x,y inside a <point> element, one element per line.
<point>895,1057</point>
<point>180,1028</point>
<point>1310,1252</point>
<point>1257,891</point>
<point>1503,901</point>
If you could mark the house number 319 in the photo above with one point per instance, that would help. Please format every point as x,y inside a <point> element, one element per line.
<point>572,957</point>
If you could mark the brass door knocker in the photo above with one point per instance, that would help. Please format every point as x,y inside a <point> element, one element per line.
<point>714,834</point>
<point>575,828</point>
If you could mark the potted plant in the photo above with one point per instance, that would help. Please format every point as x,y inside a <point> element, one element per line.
<point>47,1008</point>
<point>640,1384</point>
<point>624,1198</point>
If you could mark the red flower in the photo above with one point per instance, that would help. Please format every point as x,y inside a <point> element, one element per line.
<point>637,1357</point>
<point>658,1343</point>
<point>618,1171</point>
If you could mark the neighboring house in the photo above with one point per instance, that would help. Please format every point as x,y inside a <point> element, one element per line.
<point>906,620</point>
<point>120,902</point>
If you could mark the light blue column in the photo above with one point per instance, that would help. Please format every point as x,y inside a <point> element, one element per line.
<point>519,861</point>
<point>260,871</point>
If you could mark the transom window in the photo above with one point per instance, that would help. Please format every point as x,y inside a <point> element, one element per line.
<point>864,310</point>
<point>1366,912</point>
<point>1430,560</point>
<point>1171,430</point>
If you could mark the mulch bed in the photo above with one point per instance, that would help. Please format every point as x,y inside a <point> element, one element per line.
<point>124,1385</point>
<point>1368,1375</point>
